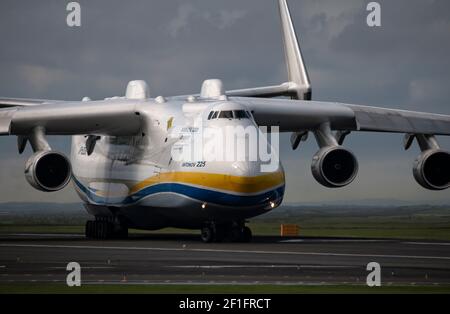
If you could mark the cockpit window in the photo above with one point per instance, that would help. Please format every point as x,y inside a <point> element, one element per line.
<point>228,114</point>
<point>240,114</point>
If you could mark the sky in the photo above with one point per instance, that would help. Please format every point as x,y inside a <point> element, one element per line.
<point>175,45</point>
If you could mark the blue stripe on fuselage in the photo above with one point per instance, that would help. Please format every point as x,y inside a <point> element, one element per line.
<point>200,194</point>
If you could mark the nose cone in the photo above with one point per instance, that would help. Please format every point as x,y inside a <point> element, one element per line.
<point>265,188</point>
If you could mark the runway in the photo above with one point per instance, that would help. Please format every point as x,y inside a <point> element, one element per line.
<point>183,259</point>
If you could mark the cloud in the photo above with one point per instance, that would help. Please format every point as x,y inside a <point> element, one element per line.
<point>423,91</point>
<point>187,13</point>
<point>178,23</point>
<point>229,18</point>
<point>39,78</point>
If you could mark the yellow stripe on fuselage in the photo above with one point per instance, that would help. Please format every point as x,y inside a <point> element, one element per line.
<point>237,184</point>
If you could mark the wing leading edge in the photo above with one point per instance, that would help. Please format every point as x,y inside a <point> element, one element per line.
<point>298,115</point>
<point>116,118</point>
<point>25,102</point>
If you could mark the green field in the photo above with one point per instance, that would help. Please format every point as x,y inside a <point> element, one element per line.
<point>211,289</point>
<point>421,228</point>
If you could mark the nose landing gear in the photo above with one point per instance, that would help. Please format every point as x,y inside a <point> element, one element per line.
<point>232,232</point>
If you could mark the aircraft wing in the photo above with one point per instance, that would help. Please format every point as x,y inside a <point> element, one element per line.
<point>23,102</point>
<point>298,115</point>
<point>399,121</point>
<point>110,117</point>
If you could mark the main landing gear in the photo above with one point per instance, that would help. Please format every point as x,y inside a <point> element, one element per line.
<point>105,229</point>
<point>234,232</point>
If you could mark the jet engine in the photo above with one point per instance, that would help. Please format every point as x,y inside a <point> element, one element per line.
<point>48,171</point>
<point>334,166</point>
<point>432,169</point>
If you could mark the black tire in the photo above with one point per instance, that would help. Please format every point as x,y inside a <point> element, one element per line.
<point>247,234</point>
<point>109,227</point>
<point>235,234</point>
<point>88,229</point>
<point>95,230</point>
<point>105,229</point>
<point>122,233</point>
<point>100,228</point>
<point>207,234</point>
<point>220,234</point>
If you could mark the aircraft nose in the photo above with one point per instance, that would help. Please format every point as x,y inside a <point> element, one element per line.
<point>247,177</point>
<point>253,168</point>
<point>244,169</point>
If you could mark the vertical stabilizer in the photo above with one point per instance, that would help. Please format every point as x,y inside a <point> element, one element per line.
<point>300,85</point>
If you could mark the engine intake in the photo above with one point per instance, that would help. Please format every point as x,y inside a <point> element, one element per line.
<point>432,169</point>
<point>334,166</point>
<point>48,171</point>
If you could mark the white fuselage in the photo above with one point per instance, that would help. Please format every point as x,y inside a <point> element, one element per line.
<point>146,181</point>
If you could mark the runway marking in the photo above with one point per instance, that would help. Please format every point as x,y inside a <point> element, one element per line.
<point>258,266</point>
<point>427,243</point>
<point>131,248</point>
<point>333,240</point>
<point>64,235</point>
<point>84,267</point>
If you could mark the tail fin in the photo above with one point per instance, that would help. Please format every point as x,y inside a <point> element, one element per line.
<point>298,86</point>
<point>297,73</point>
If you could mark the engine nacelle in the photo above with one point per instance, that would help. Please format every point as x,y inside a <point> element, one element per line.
<point>48,171</point>
<point>432,169</point>
<point>334,166</point>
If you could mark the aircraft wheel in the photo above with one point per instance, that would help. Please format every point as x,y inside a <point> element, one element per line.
<point>246,234</point>
<point>89,229</point>
<point>100,226</point>
<point>122,233</point>
<point>220,233</point>
<point>207,234</point>
<point>235,234</point>
<point>97,229</point>
<point>106,229</point>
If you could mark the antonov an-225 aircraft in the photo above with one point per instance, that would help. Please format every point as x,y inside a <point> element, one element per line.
<point>122,163</point>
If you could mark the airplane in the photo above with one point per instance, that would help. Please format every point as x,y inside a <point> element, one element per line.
<point>122,162</point>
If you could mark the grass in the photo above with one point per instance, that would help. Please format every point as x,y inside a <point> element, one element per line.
<point>425,226</point>
<point>383,230</point>
<point>49,288</point>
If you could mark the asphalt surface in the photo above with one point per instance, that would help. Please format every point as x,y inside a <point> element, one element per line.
<point>184,259</point>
